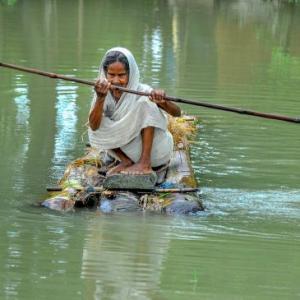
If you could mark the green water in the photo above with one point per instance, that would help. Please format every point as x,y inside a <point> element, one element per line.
<point>236,53</point>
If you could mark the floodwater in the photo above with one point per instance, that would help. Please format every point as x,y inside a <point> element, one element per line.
<point>236,53</point>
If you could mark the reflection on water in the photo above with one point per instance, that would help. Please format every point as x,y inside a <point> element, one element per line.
<point>154,257</point>
<point>66,120</point>
<point>237,53</point>
<point>152,56</point>
<point>22,102</point>
<point>129,266</point>
<point>22,125</point>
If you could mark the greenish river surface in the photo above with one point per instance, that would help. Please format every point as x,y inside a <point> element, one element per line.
<point>246,245</point>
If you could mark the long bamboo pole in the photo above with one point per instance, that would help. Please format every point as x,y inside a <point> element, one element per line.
<point>154,190</point>
<point>169,98</point>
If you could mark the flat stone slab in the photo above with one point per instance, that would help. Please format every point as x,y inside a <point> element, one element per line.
<point>128,181</point>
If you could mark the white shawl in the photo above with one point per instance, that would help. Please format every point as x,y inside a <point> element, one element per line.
<point>123,121</point>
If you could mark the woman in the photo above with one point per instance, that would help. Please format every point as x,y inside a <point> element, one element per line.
<point>132,128</point>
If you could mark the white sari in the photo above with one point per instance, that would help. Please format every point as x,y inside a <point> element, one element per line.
<point>123,121</point>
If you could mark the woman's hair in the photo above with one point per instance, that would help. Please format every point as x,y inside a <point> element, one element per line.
<point>115,56</point>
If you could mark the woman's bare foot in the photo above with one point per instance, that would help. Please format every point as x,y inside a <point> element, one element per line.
<point>138,169</point>
<point>120,167</point>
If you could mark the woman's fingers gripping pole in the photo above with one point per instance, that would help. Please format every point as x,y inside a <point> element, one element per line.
<point>102,87</point>
<point>158,96</point>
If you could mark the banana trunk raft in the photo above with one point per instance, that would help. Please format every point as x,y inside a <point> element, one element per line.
<point>172,189</point>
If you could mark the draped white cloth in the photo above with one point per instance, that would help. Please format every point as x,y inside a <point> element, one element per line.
<point>123,121</point>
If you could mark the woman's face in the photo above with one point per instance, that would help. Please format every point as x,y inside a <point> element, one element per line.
<point>117,75</point>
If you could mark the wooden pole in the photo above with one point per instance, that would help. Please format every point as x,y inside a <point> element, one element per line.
<point>169,98</point>
<point>154,190</point>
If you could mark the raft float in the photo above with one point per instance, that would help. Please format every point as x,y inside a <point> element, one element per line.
<point>172,189</point>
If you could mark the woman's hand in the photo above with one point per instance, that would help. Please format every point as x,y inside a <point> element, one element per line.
<point>157,96</point>
<point>102,87</point>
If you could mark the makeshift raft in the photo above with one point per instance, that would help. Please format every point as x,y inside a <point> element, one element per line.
<point>170,190</point>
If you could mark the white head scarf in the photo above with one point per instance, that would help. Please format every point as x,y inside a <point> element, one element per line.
<point>123,120</point>
<point>134,74</point>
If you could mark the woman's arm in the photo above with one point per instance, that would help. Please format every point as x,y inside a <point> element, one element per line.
<point>95,116</point>
<point>171,108</point>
